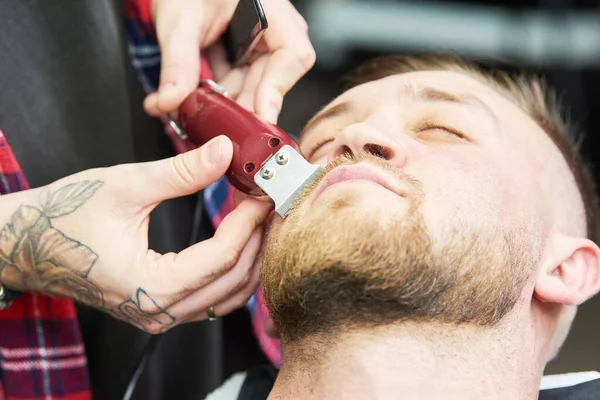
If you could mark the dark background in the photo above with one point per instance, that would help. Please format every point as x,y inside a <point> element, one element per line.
<point>577,79</point>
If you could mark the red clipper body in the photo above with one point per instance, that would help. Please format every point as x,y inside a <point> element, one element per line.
<point>206,113</point>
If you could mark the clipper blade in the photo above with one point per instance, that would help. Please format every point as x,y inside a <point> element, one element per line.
<point>283,176</point>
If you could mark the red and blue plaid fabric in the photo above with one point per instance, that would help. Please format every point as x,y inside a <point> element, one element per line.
<point>42,355</point>
<point>41,349</point>
<point>218,198</point>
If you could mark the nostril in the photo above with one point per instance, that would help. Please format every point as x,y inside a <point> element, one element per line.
<point>378,151</point>
<point>344,151</point>
<point>347,151</point>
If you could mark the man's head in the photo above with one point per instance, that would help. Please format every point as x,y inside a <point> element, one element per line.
<point>449,195</point>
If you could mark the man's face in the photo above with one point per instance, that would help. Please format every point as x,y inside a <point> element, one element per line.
<point>429,208</point>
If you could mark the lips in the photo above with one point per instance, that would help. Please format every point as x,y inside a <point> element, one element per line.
<point>360,172</point>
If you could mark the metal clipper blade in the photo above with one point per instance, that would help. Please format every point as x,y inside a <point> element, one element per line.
<point>282,177</point>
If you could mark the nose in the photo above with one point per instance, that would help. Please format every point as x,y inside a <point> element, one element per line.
<point>362,137</point>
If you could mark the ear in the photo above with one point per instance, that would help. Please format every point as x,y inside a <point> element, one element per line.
<point>571,273</point>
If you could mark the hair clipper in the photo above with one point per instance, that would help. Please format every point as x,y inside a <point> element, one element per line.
<point>266,160</point>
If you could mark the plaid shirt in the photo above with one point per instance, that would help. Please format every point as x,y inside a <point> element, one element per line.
<point>41,349</point>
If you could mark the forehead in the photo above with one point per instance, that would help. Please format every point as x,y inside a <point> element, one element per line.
<point>407,88</point>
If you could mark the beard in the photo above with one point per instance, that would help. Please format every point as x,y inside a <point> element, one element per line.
<point>336,265</point>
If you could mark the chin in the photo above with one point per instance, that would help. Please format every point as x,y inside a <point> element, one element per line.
<point>354,257</point>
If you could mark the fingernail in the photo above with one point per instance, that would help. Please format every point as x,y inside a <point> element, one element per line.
<point>213,150</point>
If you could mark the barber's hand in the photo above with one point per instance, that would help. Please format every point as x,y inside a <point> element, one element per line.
<point>183,27</point>
<point>86,237</point>
<point>269,326</point>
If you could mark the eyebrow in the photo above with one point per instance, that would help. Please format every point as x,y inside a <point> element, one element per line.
<point>437,95</point>
<point>428,94</point>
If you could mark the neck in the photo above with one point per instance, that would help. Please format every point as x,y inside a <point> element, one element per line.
<point>418,361</point>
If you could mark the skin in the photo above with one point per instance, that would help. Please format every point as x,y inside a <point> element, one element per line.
<point>86,237</point>
<point>484,160</point>
<point>281,57</point>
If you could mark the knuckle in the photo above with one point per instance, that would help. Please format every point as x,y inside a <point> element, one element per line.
<point>247,288</point>
<point>230,258</point>
<point>239,301</point>
<point>247,294</point>
<point>307,57</point>
<point>182,169</point>
<point>302,24</point>
<point>243,282</point>
<point>153,329</point>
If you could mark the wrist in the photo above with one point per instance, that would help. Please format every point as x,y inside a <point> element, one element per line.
<point>17,217</point>
<point>43,238</point>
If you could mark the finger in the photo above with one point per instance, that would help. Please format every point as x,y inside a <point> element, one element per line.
<point>220,253</point>
<point>194,306</point>
<point>237,300</point>
<point>253,77</point>
<point>151,105</point>
<point>292,55</point>
<point>181,175</point>
<point>285,67</point>
<point>179,37</point>
<point>233,82</point>
<point>217,59</point>
<point>238,197</point>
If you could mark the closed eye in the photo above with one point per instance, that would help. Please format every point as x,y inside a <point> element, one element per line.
<point>308,155</point>
<point>428,126</point>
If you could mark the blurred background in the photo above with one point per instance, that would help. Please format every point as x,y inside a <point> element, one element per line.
<point>66,81</point>
<point>557,38</point>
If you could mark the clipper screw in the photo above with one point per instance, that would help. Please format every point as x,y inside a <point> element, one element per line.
<point>282,158</point>
<point>267,172</point>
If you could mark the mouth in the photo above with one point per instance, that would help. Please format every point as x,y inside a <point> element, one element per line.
<point>358,173</point>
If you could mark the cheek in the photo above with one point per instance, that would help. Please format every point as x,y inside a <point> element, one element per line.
<point>465,191</point>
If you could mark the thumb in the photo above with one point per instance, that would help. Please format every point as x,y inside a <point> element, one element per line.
<point>186,173</point>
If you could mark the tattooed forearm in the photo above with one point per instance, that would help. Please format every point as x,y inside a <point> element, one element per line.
<point>35,256</point>
<point>142,311</point>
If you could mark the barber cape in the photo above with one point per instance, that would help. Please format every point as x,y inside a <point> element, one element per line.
<point>256,383</point>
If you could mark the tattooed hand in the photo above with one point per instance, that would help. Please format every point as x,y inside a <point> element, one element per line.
<point>86,237</point>
<point>35,255</point>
